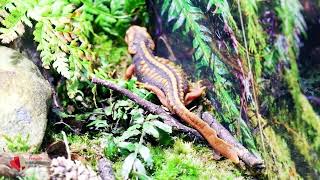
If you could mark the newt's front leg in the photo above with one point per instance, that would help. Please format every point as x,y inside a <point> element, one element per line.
<point>129,72</point>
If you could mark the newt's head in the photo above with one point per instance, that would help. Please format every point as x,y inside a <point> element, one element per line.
<point>136,35</point>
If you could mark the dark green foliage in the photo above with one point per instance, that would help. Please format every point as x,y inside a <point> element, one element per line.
<point>131,142</point>
<point>191,19</point>
<point>113,17</point>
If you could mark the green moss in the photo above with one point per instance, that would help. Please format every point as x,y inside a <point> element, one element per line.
<point>186,161</point>
<point>117,166</point>
<point>277,157</point>
<point>307,122</point>
<point>178,168</point>
<point>181,147</point>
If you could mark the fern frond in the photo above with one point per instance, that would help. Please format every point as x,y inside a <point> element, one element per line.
<point>13,16</point>
<point>189,17</point>
<point>51,48</point>
<point>292,22</point>
<point>255,33</point>
<point>62,37</point>
<point>61,64</point>
<point>222,7</point>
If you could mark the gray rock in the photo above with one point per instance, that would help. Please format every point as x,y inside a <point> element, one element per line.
<point>24,94</point>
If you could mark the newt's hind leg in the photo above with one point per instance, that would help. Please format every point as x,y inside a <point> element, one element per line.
<point>195,92</point>
<point>129,72</point>
<point>160,94</point>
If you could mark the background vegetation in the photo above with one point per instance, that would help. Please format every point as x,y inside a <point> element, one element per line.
<point>249,48</point>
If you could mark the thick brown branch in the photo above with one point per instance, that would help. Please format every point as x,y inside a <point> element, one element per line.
<point>248,158</point>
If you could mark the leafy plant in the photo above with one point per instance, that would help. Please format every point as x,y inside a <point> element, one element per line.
<point>75,37</point>
<point>127,126</point>
<point>131,143</point>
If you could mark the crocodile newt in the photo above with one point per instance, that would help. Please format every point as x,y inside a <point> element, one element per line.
<point>168,81</point>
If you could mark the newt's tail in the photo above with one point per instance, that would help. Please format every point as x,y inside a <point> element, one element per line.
<point>207,132</point>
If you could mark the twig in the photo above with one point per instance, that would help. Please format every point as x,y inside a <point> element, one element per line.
<point>248,158</point>
<point>155,109</point>
<point>67,144</point>
<point>164,39</point>
<point>61,122</point>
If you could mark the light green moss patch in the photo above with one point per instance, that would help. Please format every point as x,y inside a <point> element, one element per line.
<point>277,158</point>
<point>187,161</point>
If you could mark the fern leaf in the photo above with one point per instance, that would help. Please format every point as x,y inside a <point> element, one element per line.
<point>61,65</point>
<point>202,37</point>
<point>13,15</point>
<point>256,37</point>
<point>49,47</point>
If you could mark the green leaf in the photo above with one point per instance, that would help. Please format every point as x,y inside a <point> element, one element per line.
<point>145,154</point>
<point>139,167</point>
<point>130,132</point>
<point>108,111</point>
<point>98,123</point>
<point>123,103</point>
<point>151,117</point>
<point>137,115</point>
<point>179,23</point>
<point>127,145</point>
<point>162,126</point>
<point>111,149</point>
<point>150,129</point>
<point>127,165</point>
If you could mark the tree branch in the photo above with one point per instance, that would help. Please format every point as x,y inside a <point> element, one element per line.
<point>248,158</point>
